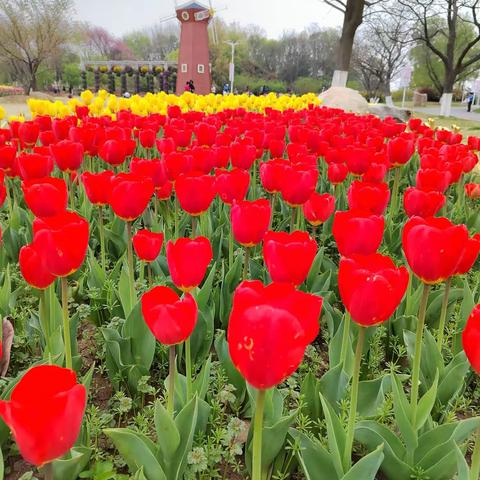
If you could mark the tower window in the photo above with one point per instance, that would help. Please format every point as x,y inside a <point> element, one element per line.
<point>184,68</point>
<point>201,68</point>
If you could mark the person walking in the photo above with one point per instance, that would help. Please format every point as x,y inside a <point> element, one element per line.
<point>470,98</point>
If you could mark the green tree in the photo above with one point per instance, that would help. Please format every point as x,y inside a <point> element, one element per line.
<point>31,33</point>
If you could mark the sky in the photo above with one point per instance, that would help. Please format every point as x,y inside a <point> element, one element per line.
<point>274,16</point>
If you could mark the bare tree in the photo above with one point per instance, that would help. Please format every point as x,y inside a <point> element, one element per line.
<point>381,52</point>
<point>31,32</point>
<point>439,24</point>
<point>353,13</point>
<point>103,44</point>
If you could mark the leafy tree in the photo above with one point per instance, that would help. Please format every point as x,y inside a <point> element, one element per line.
<point>31,33</point>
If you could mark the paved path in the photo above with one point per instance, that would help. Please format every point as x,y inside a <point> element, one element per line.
<point>457,112</point>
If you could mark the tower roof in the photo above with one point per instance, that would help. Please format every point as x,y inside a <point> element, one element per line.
<point>191,4</point>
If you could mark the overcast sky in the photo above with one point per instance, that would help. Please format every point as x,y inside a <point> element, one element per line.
<point>274,16</point>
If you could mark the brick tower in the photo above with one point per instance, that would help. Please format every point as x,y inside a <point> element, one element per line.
<point>193,55</point>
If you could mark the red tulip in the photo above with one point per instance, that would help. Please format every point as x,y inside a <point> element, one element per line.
<point>195,192</point>
<point>473,190</point>
<point>7,157</point>
<point>422,204</point>
<point>205,134</point>
<point>250,221</point>
<point>45,197</point>
<point>155,169</point>
<point>114,152</point>
<point>298,184</point>
<point>357,232</point>
<point>433,247</point>
<point>147,245</point>
<point>376,173</point>
<point>177,163</point>
<point>371,197</point>
<point>276,147</point>
<point>471,339</point>
<point>337,173</point>
<point>130,195</point>
<point>147,138</point>
<point>67,155</point>
<point>469,255</point>
<point>231,185</point>
<point>34,165</point>
<point>289,256</point>
<point>432,180</point>
<point>47,138</point>
<point>242,155</point>
<point>61,128</point>
<point>98,186</point>
<point>358,159</point>
<point>269,329</point>
<point>170,318</point>
<point>271,174</point>
<point>62,241</point>
<point>371,287</point>
<point>165,191</point>
<point>45,413</point>
<point>318,208</point>
<point>28,133</point>
<point>400,150</point>
<point>33,267</point>
<point>188,260</point>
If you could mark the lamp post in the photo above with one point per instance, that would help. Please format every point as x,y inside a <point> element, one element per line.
<point>231,72</point>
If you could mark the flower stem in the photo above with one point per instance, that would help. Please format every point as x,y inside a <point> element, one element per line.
<point>347,457</point>
<point>254,180</point>
<point>345,337</point>
<point>246,261</point>
<point>443,314</point>
<point>188,368</point>
<point>48,471</point>
<point>475,468</point>
<point>171,379</point>
<point>257,436</point>
<point>176,219</point>
<point>101,232</point>
<point>274,198</point>
<point>45,322</point>
<point>194,226</point>
<point>396,185</point>
<point>149,274</point>
<point>66,324</point>
<point>292,220</point>
<point>418,352</point>
<point>131,269</point>
<point>230,247</point>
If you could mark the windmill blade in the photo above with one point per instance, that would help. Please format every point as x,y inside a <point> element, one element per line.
<point>213,23</point>
<point>166,19</point>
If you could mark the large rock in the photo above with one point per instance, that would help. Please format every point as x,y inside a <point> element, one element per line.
<point>344,98</point>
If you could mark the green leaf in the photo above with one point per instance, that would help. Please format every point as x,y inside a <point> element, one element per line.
<point>200,384</point>
<point>315,269</point>
<point>367,467</point>
<point>138,451</point>
<point>204,294</point>
<point>463,472</point>
<point>186,422</point>
<point>402,411</point>
<point>70,468</point>
<point>335,435</point>
<point>315,461</point>
<point>142,339</point>
<point>371,395</point>
<point>333,385</point>
<point>1,465</point>
<point>167,435</point>
<point>5,292</point>
<point>466,308</point>
<point>309,391</point>
<point>426,404</point>
<point>123,291</point>
<point>373,434</point>
<point>453,379</point>
<point>234,376</point>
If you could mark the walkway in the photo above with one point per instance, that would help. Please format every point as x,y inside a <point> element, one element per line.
<point>457,112</point>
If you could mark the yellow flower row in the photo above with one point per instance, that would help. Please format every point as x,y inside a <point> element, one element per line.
<point>106,104</point>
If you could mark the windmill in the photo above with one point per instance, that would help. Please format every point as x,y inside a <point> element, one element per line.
<point>194,54</point>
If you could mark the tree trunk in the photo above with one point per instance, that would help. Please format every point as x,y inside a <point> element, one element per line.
<point>446,101</point>
<point>33,82</point>
<point>351,21</point>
